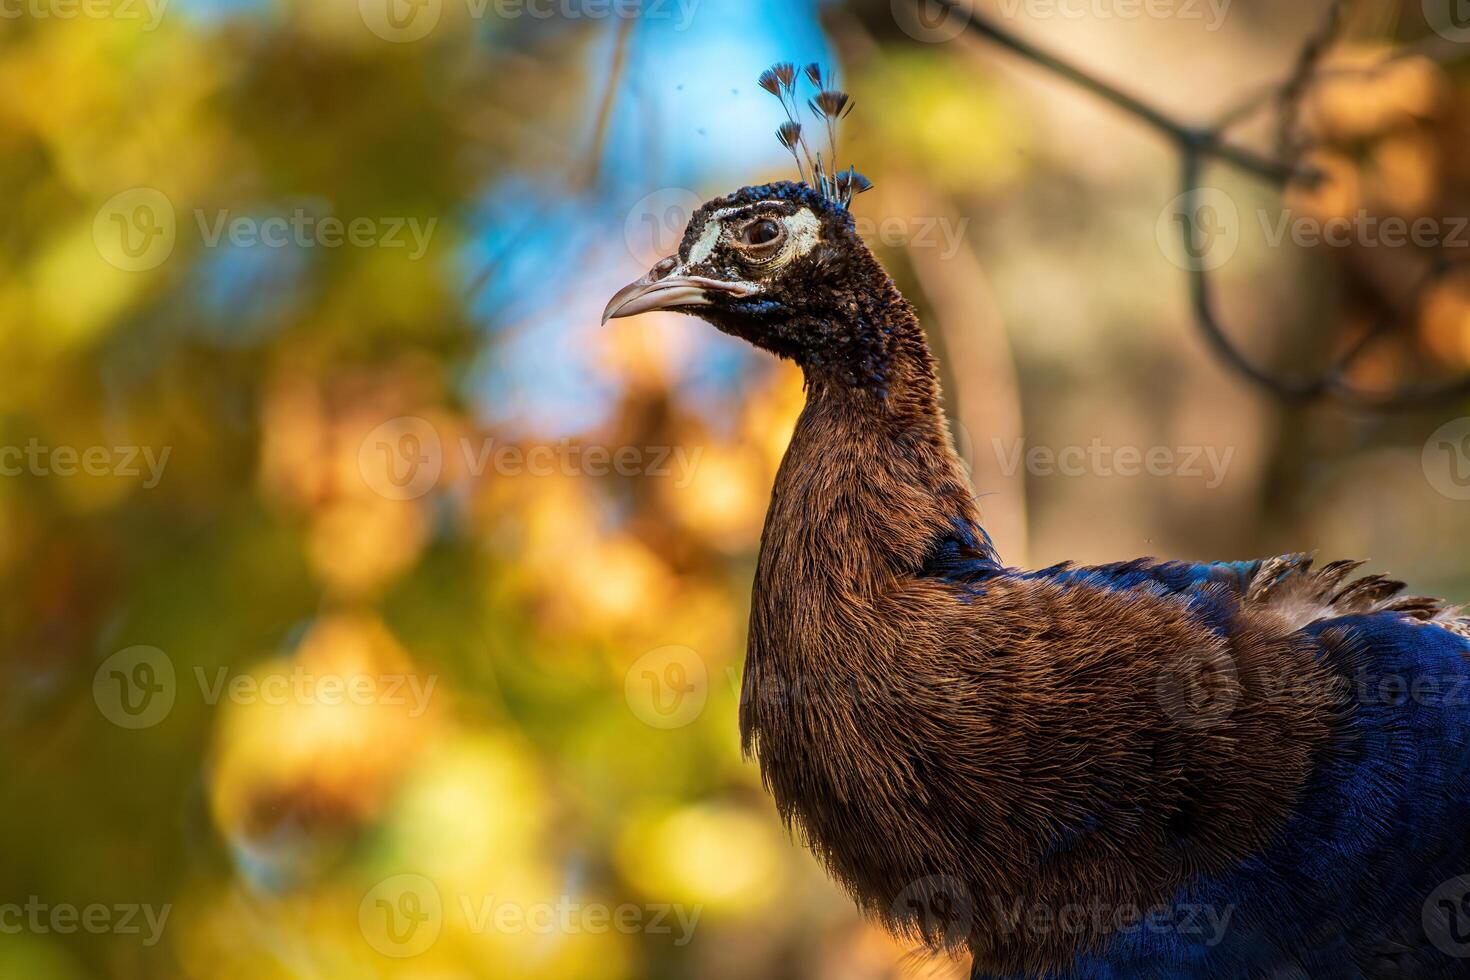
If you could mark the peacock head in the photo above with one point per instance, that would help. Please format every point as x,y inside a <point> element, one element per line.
<point>781,265</point>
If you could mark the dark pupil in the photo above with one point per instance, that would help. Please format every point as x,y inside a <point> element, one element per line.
<point>762,232</point>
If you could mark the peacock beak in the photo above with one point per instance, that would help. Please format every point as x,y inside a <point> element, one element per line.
<point>664,288</point>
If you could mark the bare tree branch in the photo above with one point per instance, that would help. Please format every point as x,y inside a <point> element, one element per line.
<point>1199,144</point>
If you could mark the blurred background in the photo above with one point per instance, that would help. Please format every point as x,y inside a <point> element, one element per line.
<point>370,611</point>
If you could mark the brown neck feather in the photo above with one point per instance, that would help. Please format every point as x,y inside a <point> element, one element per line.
<point>869,485</point>
<point>870,481</point>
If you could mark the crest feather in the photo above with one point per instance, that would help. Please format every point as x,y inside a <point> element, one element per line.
<point>829,105</point>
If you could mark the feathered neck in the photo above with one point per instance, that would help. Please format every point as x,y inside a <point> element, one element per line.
<point>870,488</point>
<point>871,474</point>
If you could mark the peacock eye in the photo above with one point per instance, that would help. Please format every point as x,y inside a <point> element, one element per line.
<point>763,232</point>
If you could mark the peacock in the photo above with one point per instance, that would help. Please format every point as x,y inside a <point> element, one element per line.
<point>1135,771</point>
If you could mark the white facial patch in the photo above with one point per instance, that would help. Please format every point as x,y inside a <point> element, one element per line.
<point>803,229</point>
<point>708,239</point>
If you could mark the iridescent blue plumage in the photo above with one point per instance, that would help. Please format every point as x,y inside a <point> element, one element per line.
<point>1365,879</point>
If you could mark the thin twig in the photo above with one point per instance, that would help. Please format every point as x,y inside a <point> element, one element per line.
<point>1208,140</point>
<point>592,158</point>
<point>610,88</point>
<point>1289,144</point>
<point>1434,48</point>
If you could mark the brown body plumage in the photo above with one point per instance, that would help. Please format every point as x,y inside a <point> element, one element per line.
<point>911,736</point>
